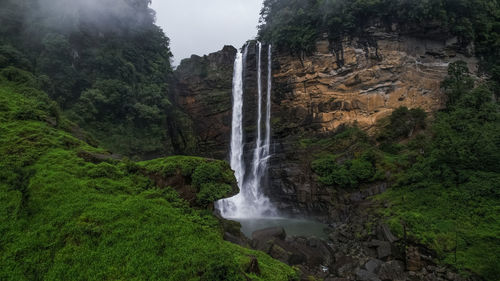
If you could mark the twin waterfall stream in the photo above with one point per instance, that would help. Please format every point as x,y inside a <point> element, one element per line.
<point>250,202</point>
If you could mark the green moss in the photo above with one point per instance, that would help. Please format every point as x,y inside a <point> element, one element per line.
<point>62,218</point>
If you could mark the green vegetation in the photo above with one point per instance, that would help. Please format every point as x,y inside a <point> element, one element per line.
<point>354,161</point>
<point>106,64</point>
<point>445,173</point>
<point>449,196</point>
<point>445,179</point>
<point>65,217</point>
<point>294,25</point>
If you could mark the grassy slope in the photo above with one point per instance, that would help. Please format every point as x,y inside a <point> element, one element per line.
<point>465,218</point>
<point>463,228</point>
<point>62,218</point>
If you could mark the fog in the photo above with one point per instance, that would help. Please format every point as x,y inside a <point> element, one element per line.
<point>204,26</point>
<point>66,14</point>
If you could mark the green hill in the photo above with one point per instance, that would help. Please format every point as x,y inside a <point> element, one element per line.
<point>70,211</point>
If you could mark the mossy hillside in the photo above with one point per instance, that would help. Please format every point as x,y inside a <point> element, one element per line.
<point>63,218</point>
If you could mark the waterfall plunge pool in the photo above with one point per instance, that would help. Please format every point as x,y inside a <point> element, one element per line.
<point>293,227</point>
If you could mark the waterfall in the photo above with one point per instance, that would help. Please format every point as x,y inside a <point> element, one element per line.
<point>250,202</point>
<point>267,144</point>
<point>257,156</point>
<point>236,153</point>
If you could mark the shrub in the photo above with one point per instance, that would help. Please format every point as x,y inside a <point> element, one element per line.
<point>18,76</point>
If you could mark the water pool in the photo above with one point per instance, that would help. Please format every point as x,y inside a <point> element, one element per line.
<point>293,227</point>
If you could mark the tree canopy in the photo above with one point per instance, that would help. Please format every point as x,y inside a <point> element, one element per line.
<point>105,62</point>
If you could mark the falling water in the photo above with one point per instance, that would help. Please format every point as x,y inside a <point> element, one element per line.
<point>267,144</point>
<point>250,202</point>
<point>237,162</point>
<point>257,156</point>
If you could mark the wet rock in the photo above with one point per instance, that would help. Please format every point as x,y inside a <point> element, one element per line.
<point>373,265</point>
<point>384,248</point>
<point>392,270</point>
<point>268,233</point>
<point>264,239</point>
<point>344,266</point>
<point>281,254</point>
<point>364,275</point>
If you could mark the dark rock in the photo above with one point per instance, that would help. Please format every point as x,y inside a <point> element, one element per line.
<point>344,266</point>
<point>273,232</point>
<point>413,261</point>
<point>202,88</point>
<point>281,254</point>
<point>392,270</point>
<point>364,275</point>
<point>430,277</point>
<point>253,266</point>
<point>383,248</point>
<point>373,265</point>
<point>384,233</point>
<point>233,239</point>
<point>451,276</point>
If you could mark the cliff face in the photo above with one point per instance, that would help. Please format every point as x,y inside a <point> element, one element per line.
<point>202,88</point>
<point>358,81</point>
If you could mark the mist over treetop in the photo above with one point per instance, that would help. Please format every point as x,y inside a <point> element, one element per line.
<point>68,16</point>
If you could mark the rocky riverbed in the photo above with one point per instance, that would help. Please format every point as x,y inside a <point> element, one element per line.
<point>361,247</point>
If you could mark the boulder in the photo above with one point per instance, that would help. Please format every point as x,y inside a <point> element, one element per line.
<point>268,233</point>
<point>264,239</point>
<point>344,266</point>
<point>373,265</point>
<point>281,254</point>
<point>392,270</point>
<point>384,248</point>
<point>364,275</point>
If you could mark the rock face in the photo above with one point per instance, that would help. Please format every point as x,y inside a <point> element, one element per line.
<point>360,81</point>
<point>357,81</point>
<point>202,88</point>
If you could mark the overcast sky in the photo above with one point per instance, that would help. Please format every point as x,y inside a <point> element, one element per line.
<point>204,26</point>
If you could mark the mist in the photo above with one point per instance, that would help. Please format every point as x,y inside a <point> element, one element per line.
<point>103,14</point>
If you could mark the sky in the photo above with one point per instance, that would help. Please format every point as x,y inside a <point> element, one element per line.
<point>204,26</point>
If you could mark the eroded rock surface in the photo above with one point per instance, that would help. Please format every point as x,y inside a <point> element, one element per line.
<point>361,83</point>
<point>202,88</point>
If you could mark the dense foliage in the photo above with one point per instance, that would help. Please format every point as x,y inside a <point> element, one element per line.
<point>449,197</point>
<point>105,62</point>
<point>67,216</point>
<point>446,178</point>
<point>294,25</point>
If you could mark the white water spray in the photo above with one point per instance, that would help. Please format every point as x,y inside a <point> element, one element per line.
<point>250,202</point>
